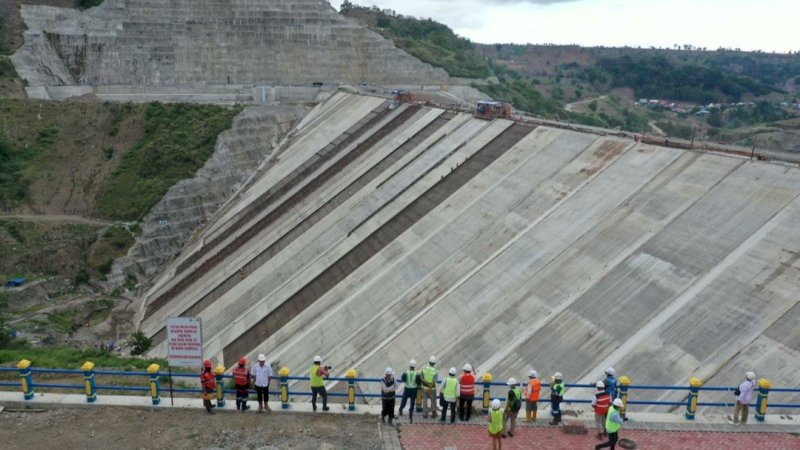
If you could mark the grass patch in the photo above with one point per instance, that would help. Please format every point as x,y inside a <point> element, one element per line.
<point>70,357</point>
<point>177,142</point>
<point>522,94</point>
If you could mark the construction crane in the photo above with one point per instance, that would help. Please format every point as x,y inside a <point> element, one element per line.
<point>489,110</point>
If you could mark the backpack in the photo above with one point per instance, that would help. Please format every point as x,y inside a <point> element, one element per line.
<point>516,403</point>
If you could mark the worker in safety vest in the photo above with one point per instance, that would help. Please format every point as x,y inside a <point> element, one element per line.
<point>241,380</point>
<point>428,379</point>
<point>557,391</point>
<point>532,390</point>
<point>513,405</point>
<point>208,384</point>
<point>613,424</point>
<point>317,374</point>
<point>601,402</point>
<point>449,395</point>
<point>495,420</point>
<point>466,393</point>
<point>411,381</point>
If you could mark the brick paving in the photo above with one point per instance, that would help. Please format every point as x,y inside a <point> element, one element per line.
<point>467,437</point>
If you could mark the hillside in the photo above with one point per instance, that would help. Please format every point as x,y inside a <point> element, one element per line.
<point>602,86</point>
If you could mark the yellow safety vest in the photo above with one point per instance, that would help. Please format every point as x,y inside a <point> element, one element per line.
<point>611,426</point>
<point>316,380</point>
<point>411,379</point>
<point>449,390</point>
<point>497,421</point>
<point>429,375</point>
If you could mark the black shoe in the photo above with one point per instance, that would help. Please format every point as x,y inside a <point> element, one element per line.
<point>245,408</point>
<point>325,408</point>
<point>510,434</point>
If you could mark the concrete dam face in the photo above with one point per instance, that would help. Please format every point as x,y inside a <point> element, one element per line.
<point>190,42</point>
<point>380,235</point>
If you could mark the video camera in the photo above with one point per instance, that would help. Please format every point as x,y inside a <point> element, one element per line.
<point>328,367</point>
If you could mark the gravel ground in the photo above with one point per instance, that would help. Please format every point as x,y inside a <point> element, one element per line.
<point>134,428</point>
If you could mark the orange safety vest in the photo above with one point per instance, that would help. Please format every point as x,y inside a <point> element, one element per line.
<point>467,385</point>
<point>533,389</point>
<point>207,380</point>
<point>602,403</point>
<point>241,376</point>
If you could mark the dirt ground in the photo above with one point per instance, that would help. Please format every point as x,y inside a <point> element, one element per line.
<point>138,428</point>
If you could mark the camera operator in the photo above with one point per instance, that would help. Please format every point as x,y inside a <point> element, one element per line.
<point>318,374</point>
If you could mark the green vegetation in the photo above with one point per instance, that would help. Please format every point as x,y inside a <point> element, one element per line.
<point>673,129</point>
<point>86,4</point>
<point>431,42</point>
<point>178,140</point>
<point>522,94</point>
<point>140,343</point>
<point>66,357</point>
<point>655,76</point>
<point>14,159</point>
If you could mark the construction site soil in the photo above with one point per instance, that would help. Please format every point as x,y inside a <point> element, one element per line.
<point>135,428</point>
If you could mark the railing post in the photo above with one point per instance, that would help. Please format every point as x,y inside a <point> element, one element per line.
<point>218,375</point>
<point>694,393</point>
<point>24,367</point>
<point>155,384</point>
<point>351,389</point>
<point>624,384</point>
<point>487,392</point>
<point>88,381</point>
<point>283,374</point>
<point>763,392</point>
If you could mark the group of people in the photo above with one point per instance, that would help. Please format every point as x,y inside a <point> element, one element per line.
<point>259,377</point>
<point>456,393</point>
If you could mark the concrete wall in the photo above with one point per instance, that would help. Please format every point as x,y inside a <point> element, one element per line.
<point>190,42</point>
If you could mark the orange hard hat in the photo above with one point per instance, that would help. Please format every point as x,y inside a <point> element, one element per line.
<point>242,361</point>
<point>207,364</point>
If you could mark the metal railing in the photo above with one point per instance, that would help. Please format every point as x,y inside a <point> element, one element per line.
<point>155,376</point>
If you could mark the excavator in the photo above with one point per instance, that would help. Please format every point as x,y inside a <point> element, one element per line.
<point>489,110</point>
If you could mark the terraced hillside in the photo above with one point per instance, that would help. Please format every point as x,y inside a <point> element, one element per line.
<point>195,43</point>
<point>379,235</point>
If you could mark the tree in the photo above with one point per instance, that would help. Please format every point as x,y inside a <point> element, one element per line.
<point>140,343</point>
<point>346,6</point>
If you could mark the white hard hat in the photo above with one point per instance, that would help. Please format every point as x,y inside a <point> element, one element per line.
<point>750,375</point>
<point>617,402</point>
<point>413,363</point>
<point>318,358</point>
<point>558,376</point>
<point>467,368</point>
<point>452,371</point>
<point>261,357</point>
<point>389,371</point>
<point>495,404</point>
<point>611,371</point>
<point>432,360</point>
<point>533,374</point>
<point>512,382</point>
<point>600,385</point>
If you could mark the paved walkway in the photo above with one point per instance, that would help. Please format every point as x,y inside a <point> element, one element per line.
<point>468,437</point>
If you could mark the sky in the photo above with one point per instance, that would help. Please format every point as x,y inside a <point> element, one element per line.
<point>768,25</point>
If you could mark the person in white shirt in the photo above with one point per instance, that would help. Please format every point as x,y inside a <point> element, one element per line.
<point>744,398</point>
<point>262,372</point>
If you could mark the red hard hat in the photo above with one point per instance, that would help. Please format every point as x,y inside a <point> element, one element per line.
<point>242,361</point>
<point>207,364</point>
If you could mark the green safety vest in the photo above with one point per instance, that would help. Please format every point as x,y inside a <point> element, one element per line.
<point>497,421</point>
<point>611,426</point>
<point>316,380</point>
<point>449,389</point>
<point>429,374</point>
<point>558,389</point>
<point>411,379</point>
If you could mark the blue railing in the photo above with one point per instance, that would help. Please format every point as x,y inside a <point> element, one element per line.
<point>154,376</point>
